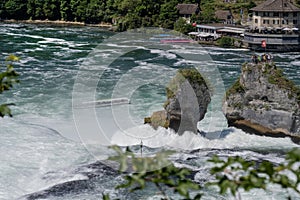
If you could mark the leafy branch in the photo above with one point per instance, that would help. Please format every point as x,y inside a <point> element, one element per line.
<point>236,173</point>
<point>7,79</point>
<point>157,170</point>
<point>231,174</point>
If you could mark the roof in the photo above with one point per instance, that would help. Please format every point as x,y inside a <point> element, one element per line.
<point>211,26</point>
<point>229,30</point>
<point>223,14</point>
<point>188,9</point>
<point>277,6</point>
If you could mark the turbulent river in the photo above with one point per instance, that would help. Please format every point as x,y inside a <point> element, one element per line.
<point>53,145</point>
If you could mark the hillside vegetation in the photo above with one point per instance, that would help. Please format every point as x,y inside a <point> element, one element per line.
<point>125,14</point>
<point>238,9</point>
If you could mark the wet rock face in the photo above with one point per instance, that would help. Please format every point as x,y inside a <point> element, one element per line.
<point>188,98</point>
<point>263,101</point>
<point>95,177</point>
<point>188,106</point>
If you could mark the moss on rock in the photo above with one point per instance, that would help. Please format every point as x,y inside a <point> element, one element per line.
<point>237,87</point>
<point>192,75</point>
<point>158,119</point>
<point>265,101</point>
<point>276,77</point>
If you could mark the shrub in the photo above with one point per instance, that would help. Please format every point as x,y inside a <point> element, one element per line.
<point>226,41</point>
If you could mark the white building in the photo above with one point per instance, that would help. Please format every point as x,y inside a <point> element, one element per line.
<point>276,13</point>
<point>275,22</point>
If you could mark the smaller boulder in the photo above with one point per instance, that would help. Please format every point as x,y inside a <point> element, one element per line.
<point>158,119</point>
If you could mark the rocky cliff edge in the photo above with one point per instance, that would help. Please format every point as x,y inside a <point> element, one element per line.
<point>263,101</point>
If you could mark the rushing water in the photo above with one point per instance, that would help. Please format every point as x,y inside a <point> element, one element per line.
<point>45,156</point>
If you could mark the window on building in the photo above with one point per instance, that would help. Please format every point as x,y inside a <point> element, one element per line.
<point>266,21</point>
<point>275,21</point>
<point>295,21</point>
<point>265,14</point>
<point>256,13</point>
<point>276,14</point>
<point>255,21</point>
<point>283,22</point>
<point>295,14</point>
<point>285,14</point>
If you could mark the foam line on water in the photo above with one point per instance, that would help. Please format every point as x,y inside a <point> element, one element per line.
<point>190,141</point>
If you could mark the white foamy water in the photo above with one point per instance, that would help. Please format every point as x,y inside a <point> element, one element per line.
<point>29,152</point>
<point>162,137</point>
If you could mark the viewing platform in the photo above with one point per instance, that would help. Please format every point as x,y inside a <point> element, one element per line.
<point>274,42</point>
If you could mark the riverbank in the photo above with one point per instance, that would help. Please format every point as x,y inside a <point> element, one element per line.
<point>59,23</point>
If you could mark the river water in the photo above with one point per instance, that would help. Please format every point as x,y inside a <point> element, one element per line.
<point>52,146</point>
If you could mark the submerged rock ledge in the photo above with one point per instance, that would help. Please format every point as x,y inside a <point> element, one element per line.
<point>264,102</point>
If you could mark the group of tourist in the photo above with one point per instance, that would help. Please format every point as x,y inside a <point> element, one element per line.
<point>263,58</point>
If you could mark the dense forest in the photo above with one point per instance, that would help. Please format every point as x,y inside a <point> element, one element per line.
<point>124,13</point>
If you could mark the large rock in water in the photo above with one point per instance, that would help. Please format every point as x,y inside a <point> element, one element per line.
<point>263,101</point>
<point>188,98</point>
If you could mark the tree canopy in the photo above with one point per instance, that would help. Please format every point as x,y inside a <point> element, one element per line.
<point>124,13</point>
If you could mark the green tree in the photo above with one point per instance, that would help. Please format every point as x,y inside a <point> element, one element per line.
<point>7,79</point>
<point>132,14</point>
<point>51,9</point>
<point>65,10</point>
<point>168,14</point>
<point>3,13</point>
<point>79,9</point>
<point>226,41</point>
<point>16,9</point>
<point>110,11</point>
<point>207,14</point>
<point>181,26</point>
<point>125,6</point>
<point>149,12</point>
<point>31,9</point>
<point>95,11</point>
<point>39,11</point>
